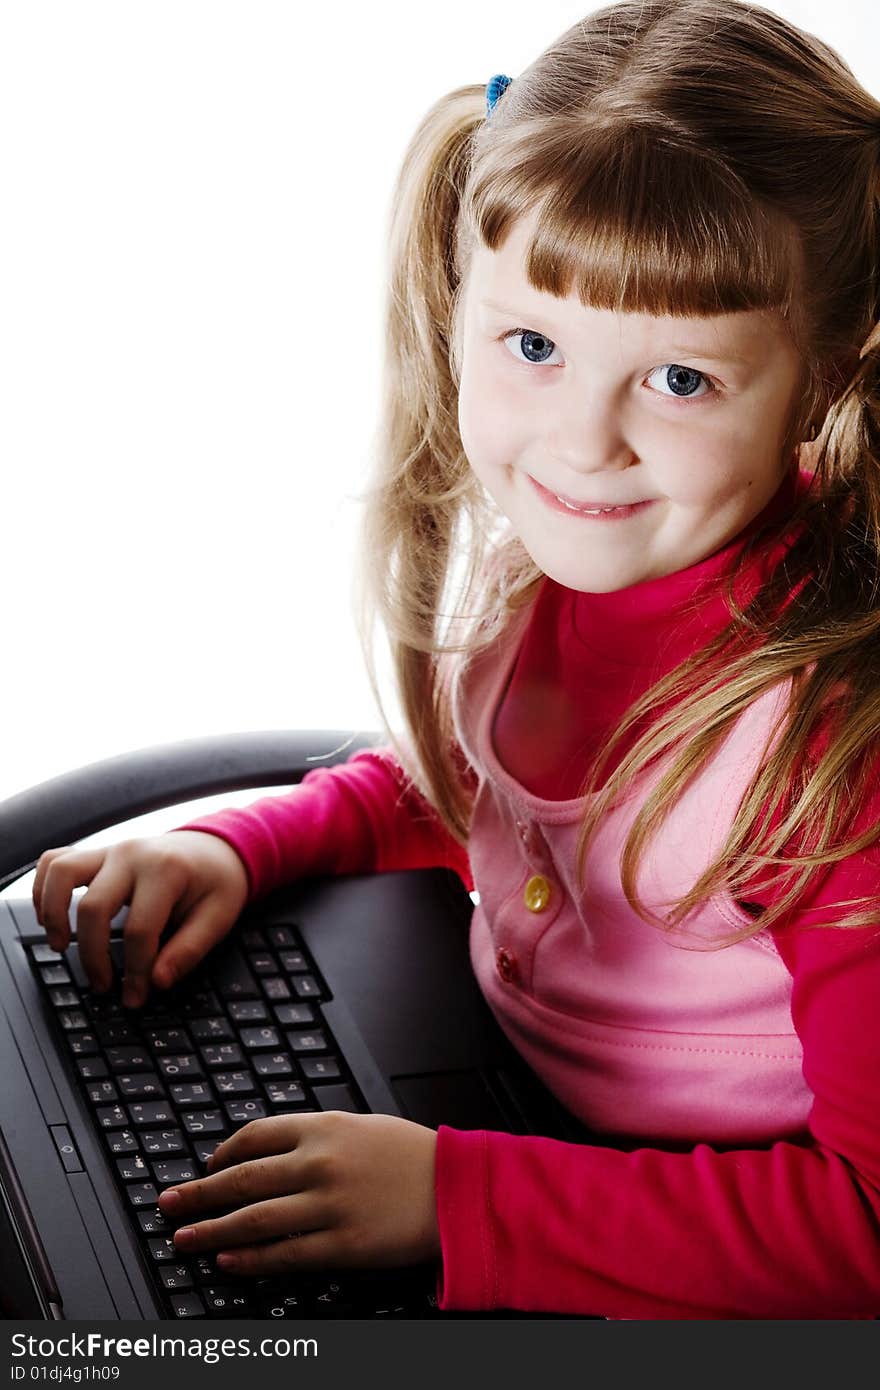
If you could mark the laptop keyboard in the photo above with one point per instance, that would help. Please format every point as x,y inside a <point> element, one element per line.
<point>241,1038</point>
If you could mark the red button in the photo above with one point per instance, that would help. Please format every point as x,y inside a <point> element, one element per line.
<point>505,962</point>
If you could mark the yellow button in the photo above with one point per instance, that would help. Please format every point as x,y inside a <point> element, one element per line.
<point>537,893</point>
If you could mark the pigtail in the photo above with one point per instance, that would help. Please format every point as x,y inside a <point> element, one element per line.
<point>422,496</point>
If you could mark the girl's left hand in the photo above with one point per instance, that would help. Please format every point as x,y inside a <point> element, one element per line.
<point>327,1189</point>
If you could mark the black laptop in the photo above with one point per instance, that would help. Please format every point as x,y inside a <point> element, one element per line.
<point>346,993</point>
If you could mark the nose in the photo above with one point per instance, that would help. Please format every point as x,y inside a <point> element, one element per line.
<point>585,431</point>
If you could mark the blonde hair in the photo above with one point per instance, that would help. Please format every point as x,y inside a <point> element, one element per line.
<point>687,157</point>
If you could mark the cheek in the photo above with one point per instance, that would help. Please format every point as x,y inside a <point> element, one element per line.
<point>487,416</point>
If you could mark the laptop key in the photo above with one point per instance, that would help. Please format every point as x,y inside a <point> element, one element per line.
<point>159,1012</point>
<point>192,1093</point>
<point>205,1270</point>
<point>201,1003</point>
<point>141,1194</point>
<point>272,1064</point>
<point>91,1068</point>
<point>203,1148</point>
<point>294,1013</point>
<point>111,1117</point>
<point>170,1170</point>
<point>285,1093</point>
<point>133,1168</point>
<point>234,1083</point>
<point>256,1038</point>
<point>276,1302</point>
<point>226,1301</point>
<point>187,1305</point>
<point>241,1112</point>
<point>262,963</point>
<point>315,1041</point>
<point>83,1044</point>
<point>72,1020</point>
<point>320,1068</point>
<point>57,974</point>
<point>306,986</point>
<point>276,987</point>
<point>103,1008</point>
<point>295,962</point>
<point>336,1098</point>
<point>153,1221</point>
<point>122,1141</point>
<point>64,998</point>
<point>332,1299</point>
<point>281,937</point>
<point>143,1085</point>
<point>179,1064</point>
<point>206,1030</point>
<point>112,1033</point>
<point>200,1122</point>
<point>128,1059</point>
<point>162,1141</point>
<point>101,1092</point>
<point>175,1276</point>
<point>247,1010</point>
<point>231,977</point>
<point>168,1039</point>
<point>222,1055</point>
<point>151,1112</point>
<point>43,954</point>
<point>162,1249</point>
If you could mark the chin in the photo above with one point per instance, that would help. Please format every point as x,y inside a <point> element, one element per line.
<point>584,582</point>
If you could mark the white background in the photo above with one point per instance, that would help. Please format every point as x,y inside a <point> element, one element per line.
<point>195,196</point>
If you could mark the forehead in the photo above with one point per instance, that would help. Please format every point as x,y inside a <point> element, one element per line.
<point>497,283</point>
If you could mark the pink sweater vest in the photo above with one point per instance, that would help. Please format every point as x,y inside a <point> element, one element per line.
<point>638,1032</point>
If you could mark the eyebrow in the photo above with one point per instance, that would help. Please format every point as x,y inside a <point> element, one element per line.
<point>686,349</point>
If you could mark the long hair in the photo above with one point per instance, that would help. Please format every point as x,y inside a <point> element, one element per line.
<point>684,157</point>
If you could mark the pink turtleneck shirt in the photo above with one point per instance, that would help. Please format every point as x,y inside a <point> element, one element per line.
<point>737,1087</point>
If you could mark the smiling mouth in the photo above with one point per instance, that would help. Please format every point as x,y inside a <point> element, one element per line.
<point>593,511</point>
<point>585,509</point>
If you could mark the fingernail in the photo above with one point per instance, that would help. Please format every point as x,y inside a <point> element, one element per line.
<point>185,1234</point>
<point>169,1199</point>
<point>224,1261</point>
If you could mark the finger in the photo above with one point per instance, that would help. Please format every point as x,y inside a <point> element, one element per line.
<point>300,1250</point>
<point>43,863</point>
<point>200,930</point>
<point>155,894</point>
<point>276,1134</point>
<point>62,873</point>
<point>234,1187</point>
<point>251,1225</point>
<point>109,891</point>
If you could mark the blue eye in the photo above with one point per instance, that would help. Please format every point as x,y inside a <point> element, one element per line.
<point>682,381</point>
<point>537,347</point>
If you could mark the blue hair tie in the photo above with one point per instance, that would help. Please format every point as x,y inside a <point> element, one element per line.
<point>495,88</point>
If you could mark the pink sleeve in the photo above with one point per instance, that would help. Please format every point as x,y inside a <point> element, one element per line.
<point>791,1230</point>
<point>361,816</point>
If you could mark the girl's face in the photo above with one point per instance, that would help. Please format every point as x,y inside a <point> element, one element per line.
<point>685,417</point>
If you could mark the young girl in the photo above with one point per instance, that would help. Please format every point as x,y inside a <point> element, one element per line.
<point>636,647</point>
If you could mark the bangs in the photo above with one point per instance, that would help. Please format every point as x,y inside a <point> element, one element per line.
<point>631,218</point>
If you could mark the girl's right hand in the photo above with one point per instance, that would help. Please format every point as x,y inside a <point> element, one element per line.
<point>188,878</point>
